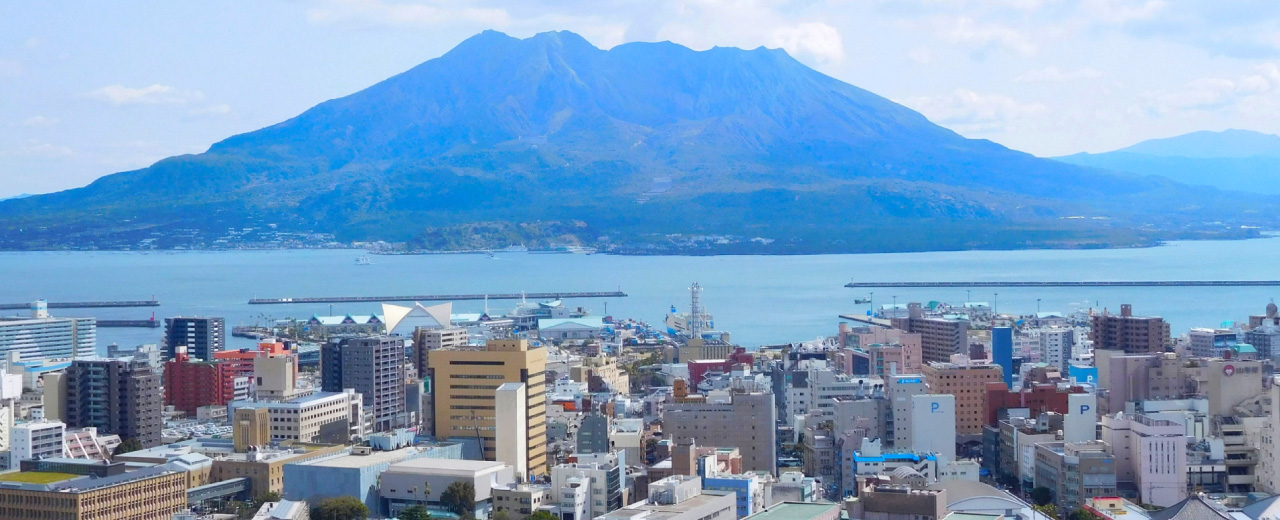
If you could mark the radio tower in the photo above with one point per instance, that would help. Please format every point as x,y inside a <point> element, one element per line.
<point>695,311</point>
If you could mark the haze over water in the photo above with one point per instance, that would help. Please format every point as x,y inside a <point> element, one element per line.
<point>761,300</point>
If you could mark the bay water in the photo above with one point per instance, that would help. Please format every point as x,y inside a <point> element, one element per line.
<point>761,300</point>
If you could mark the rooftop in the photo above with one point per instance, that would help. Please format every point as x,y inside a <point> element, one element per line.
<point>794,511</point>
<point>36,477</point>
<point>448,467</point>
<point>348,461</point>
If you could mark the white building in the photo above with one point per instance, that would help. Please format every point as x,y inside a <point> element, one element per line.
<point>559,329</point>
<point>603,473</point>
<point>36,440</point>
<point>901,389</point>
<point>935,417</point>
<point>1151,454</point>
<point>42,336</point>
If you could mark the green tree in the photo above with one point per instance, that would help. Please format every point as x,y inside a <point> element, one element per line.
<point>542,515</point>
<point>415,513</point>
<point>459,497</point>
<point>340,508</point>
<point>1050,510</point>
<point>499,514</point>
<point>1084,514</point>
<point>127,446</point>
<point>1041,495</point>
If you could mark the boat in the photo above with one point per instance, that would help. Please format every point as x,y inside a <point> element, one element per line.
<point>363,260</point>
<point>862,300</point>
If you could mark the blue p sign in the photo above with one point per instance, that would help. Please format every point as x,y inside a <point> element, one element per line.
<point>934,407</point>
<point>1084,408</point>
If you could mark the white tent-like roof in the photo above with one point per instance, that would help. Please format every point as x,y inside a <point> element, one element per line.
<point>404,320</point>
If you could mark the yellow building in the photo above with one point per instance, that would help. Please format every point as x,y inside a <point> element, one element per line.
<point>465,381</point>
<point>154,493</point>
<point>604,367</point>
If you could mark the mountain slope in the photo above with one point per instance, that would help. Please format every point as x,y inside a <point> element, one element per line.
<point>1232,160</point>
<point>621,148</point>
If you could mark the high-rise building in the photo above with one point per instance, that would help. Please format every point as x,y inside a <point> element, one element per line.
<point>42,336</point>
<point>190,384</point>
<point>966,381</point>
<point>1151,456</point>
<point>465,383</point>
<point>940,337</point>
<point>375,367</point>
<point>1132,334</point>
<point>428,339</point>
<point>116,396</point>
<point>900,389</point>
<point>203,337</point>
<point>1002,351</point>
<point>1056,346</point>
<point>747,422</point>
<point>510,423</point>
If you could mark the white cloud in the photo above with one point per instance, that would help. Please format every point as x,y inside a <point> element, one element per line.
<point>40,122</point>
<point>1119,12</point>
<point>1056,75</point>
<point>965,30</point>
<point>10,68</point>
<point>405,14</point>
<point>921,55</point>
<point>34,148</point>
<point>1257,93</point>
<point>969,112</point>
<point>212,110</point>
<point>816,39</point>
<point>152,95</point>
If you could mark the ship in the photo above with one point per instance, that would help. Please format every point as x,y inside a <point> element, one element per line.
<point>862,300</point>
<point>363,260</point>
<point>688,324</point>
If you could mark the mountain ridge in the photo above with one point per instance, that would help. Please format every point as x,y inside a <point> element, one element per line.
<point>637,143</point>
<point>1232,159</point>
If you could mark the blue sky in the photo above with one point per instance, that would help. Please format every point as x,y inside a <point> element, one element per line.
<point>92,88</point>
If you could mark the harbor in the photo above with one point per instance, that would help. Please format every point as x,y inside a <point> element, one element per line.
<point>438,297</point>
<point>1140,283</point>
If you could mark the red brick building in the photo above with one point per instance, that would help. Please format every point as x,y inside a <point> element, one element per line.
<point>188,384</point>
<point>1040,398</point>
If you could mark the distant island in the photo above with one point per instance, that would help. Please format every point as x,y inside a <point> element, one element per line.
<point>646,148</point>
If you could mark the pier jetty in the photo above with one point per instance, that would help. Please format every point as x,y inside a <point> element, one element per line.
<point>143,324</point>
<point>437,297</point>
<point>84,305</point>
<point>1145,283</point>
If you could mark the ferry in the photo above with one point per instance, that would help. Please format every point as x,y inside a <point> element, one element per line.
<point>678,323</point>
<point>363,260</point>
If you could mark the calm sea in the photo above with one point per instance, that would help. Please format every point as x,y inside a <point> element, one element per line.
<point>761,300</point>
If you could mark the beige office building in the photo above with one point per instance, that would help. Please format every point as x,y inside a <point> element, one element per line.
<point>154,493</point>
<point>465,383</point>
<point>967,382</point>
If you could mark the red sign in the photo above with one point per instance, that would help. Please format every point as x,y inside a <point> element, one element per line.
<point>1229,370</point>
